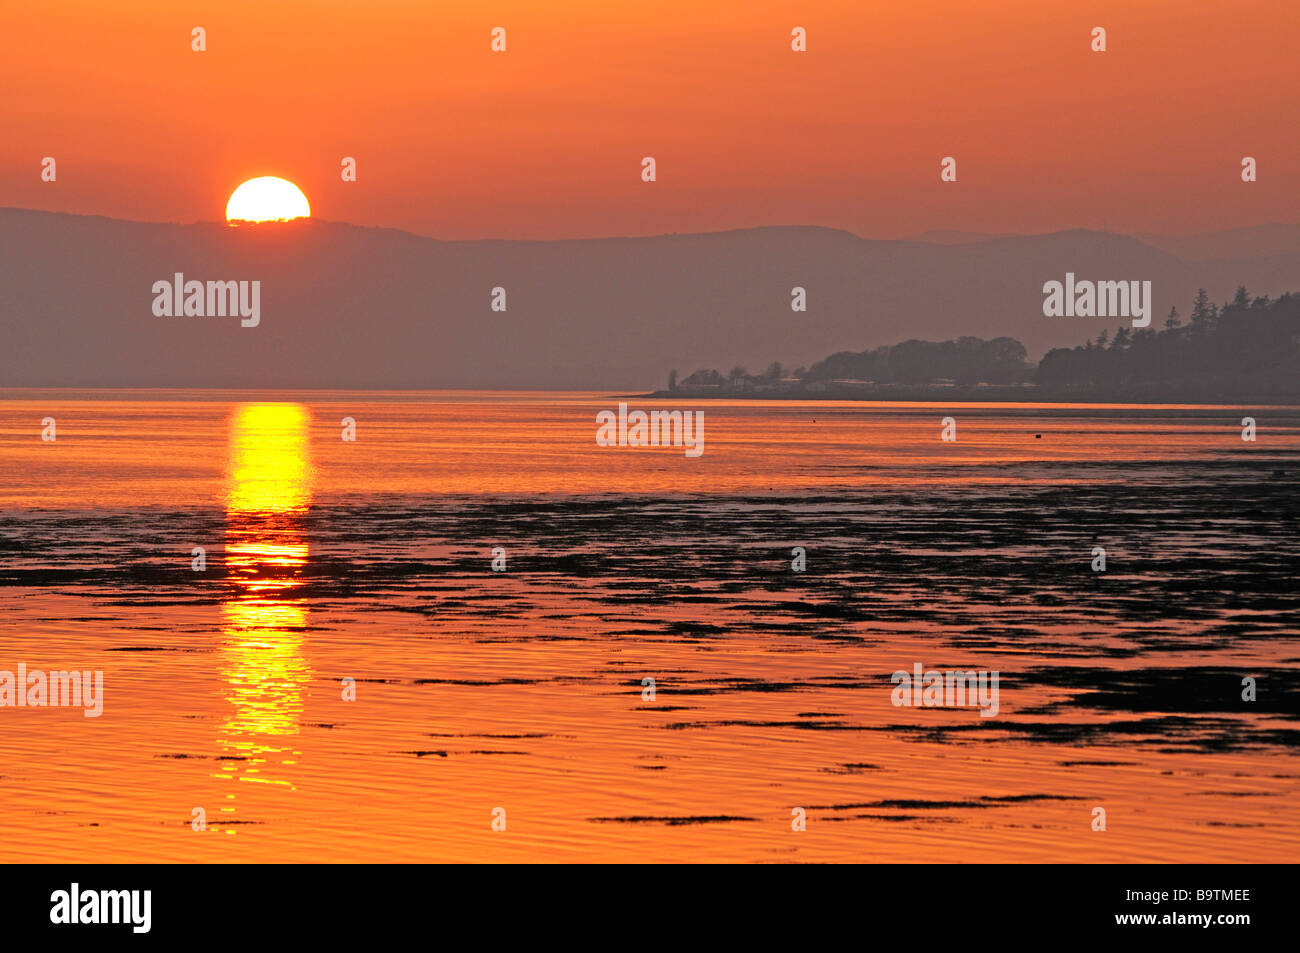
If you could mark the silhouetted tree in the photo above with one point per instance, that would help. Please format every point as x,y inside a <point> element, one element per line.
<point>1248,350</point>
<point>967,360</point>
<point>1202,310</point>
<point>703,378</point>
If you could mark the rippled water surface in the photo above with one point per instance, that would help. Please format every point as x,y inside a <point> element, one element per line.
<point>371,560</point>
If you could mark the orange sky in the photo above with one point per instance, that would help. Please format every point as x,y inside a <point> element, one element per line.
<point>545,140</point>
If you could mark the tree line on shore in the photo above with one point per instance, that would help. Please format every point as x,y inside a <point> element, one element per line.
<point>1248,347</point>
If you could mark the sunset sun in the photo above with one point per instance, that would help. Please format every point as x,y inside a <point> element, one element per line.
<point>267,199</point>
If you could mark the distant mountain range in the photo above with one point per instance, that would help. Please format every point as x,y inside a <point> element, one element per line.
<point>349,307</point>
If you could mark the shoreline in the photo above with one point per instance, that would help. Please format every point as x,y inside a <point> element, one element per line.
<point>972,395</point>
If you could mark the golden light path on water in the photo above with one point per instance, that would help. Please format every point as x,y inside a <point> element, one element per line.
<point>523,689</point>
<point>262,661</point>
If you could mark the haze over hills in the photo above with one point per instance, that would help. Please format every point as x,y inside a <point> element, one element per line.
<point>1257,241</point>
<point>349,307</point>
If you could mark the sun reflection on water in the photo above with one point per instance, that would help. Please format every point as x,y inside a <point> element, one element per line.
<point>265,615</point>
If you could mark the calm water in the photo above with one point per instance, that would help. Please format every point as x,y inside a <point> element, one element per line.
<point>371,560</point>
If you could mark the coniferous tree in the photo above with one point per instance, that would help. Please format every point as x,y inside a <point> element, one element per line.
<point>1201,308</point>
<point>1248,351</point>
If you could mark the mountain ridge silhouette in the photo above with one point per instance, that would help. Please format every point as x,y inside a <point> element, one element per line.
<point>350,306</point>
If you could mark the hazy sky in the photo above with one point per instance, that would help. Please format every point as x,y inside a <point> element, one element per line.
<point>546,139</point>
